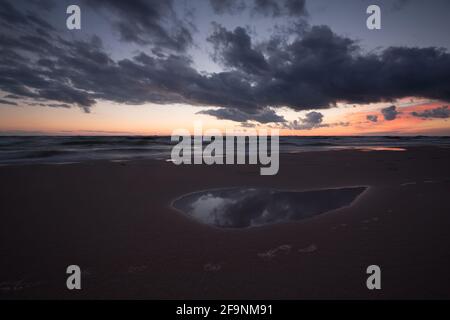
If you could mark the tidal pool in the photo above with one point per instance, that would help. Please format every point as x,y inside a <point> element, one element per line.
<point>252,207</point>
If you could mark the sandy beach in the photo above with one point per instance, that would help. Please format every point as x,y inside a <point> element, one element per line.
<point>114,220</point>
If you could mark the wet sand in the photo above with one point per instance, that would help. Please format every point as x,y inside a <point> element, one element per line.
<point>114,220</point>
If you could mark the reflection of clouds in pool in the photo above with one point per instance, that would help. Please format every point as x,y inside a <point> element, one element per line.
<point>250,207</point>
<point>209,209</point>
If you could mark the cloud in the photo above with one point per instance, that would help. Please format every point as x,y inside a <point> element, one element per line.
<point>296,7</point>
<point>438,113</point>
<point>319,69</point>
<point>372,118</point>
<point>314,69</point>
<point>248,125</point>
<point>311,120</point>
<point>227,6</point>
<point>234,49</point>
<point>2,101</point>
<point>60,105</point>
<point>150,22</point>
<point>10,16</point>
<point>390,113</point>
<point>262,115</point>
<point>276,8</point>
<point>11,96</point>
<point>268,8</point>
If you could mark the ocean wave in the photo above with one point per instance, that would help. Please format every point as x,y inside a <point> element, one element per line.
<point>16,149</point>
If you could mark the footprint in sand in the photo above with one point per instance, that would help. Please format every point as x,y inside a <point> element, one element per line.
<point>212,267</point>
<point>284,250</point>
<point>272,253</point>
<point>373,219</point>
<point>407,184</point>
<point>342,225</point>
<point>309,249</point>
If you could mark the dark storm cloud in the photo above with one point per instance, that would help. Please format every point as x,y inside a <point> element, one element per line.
<point>36,104</point>
<point>272,8</point>
<point>315,69</point>
<point>148,22</point>
<point>265,115</point>
<point>438,113</point>
<point>267,7</point>
<point>372,118</point>
<point>234,49</point>
<point>311,120</point>
<point>80,72</point>
<point>227,6</point>
<point>60,105</point>
<point>320,68</point>
<point>43,4</point>
<point>2,101</point>
<point>390,113</point>
<point>21,75</point>
<point>11,96</point>
<point>276,8</point>
<point>296,7</point>
<point>11,16</point>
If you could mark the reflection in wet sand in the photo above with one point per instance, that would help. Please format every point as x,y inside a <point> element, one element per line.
<point>382,149</point>
<point>251,207</point>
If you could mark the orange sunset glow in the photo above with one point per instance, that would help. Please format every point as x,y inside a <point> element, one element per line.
<point>111,119</point>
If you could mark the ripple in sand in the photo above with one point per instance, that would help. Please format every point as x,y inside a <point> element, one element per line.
<point>251,207</point>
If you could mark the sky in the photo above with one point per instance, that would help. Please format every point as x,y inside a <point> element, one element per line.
<point>305,67</point>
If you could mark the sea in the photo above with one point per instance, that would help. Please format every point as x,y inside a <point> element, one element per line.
<point>74,149</point>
